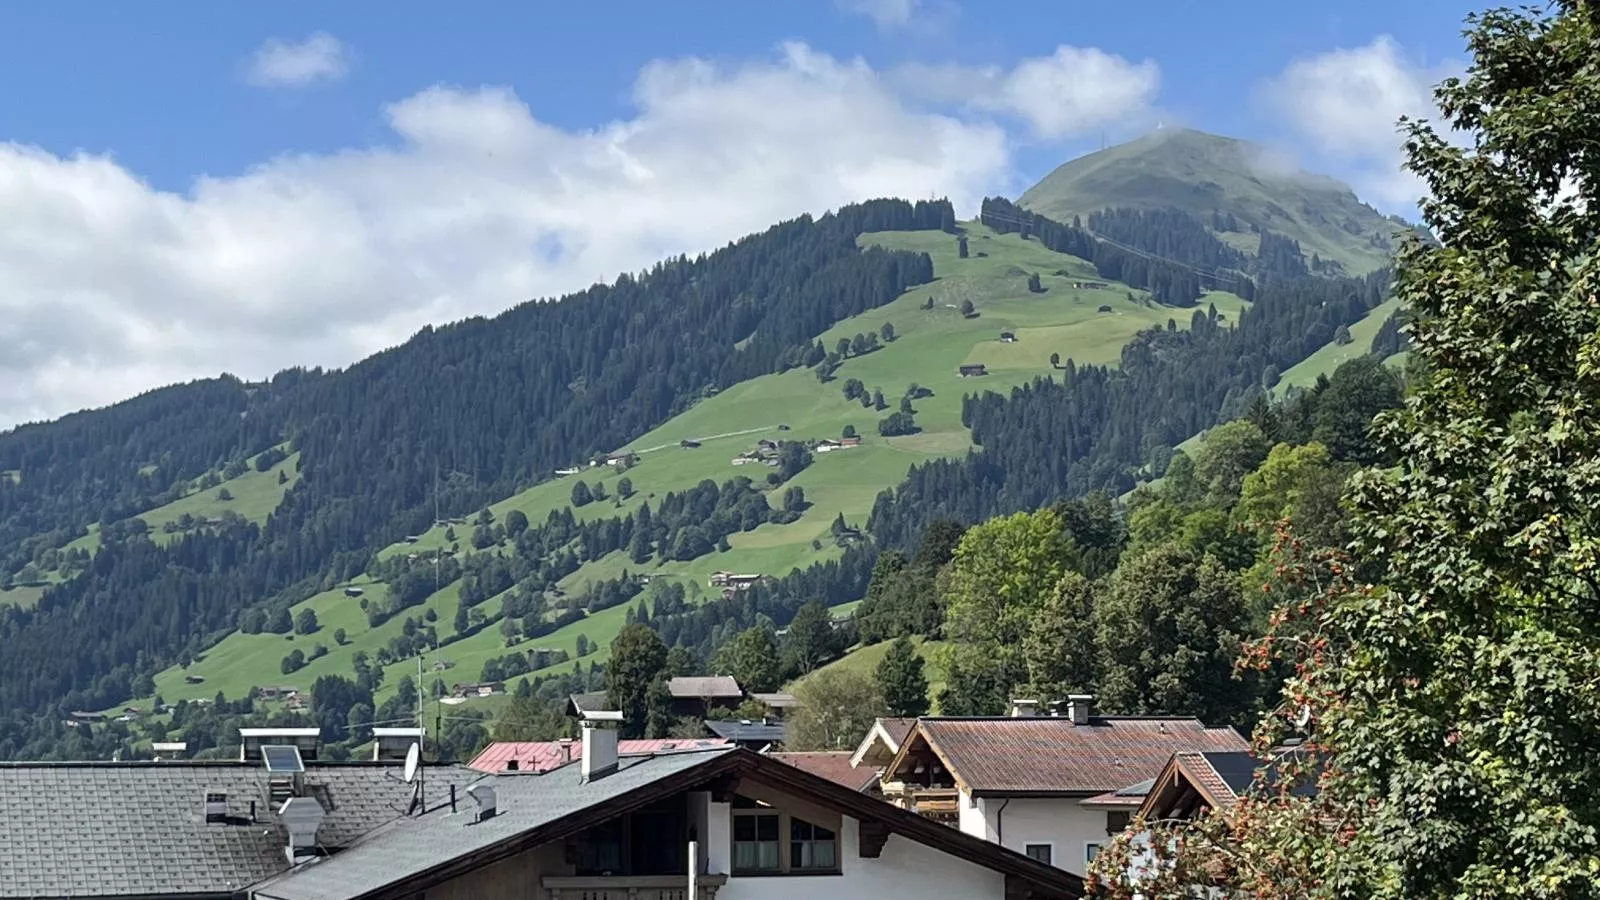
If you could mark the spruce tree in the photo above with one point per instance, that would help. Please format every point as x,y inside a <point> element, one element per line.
<point>901,680</point>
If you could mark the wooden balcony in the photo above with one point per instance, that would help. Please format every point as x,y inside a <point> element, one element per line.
<point>940,804</point>
<point>630,887</point>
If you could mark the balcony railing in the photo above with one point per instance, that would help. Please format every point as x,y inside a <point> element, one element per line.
<point>630,887</point>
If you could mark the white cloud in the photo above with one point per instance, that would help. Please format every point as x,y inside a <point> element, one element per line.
<point>887,13</point>
<point>1073,91</point>
<point>277,63</point>
<point>1346,104</point>
<point>108,286</point>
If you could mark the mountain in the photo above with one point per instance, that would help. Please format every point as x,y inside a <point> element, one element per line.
<point>1211,177</point>
<point>452,493</point>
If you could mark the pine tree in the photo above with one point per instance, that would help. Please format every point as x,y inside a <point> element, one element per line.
<point>901,680</point>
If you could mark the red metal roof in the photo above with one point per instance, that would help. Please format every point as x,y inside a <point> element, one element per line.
<point>1049,754</point>
<point>832,765</point>
<point>542,756</point>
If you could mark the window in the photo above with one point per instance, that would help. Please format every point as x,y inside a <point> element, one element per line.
<point>1041,852</point>
<point>1117,821</point>
<point>755,841</point>
<point>811,846</point>
<point>759,846</point>
<point>1090,851</point>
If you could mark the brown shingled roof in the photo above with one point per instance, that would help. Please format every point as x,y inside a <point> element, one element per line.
<point>833,765</point>
<point>1051,755</point>
<point>897,729</point>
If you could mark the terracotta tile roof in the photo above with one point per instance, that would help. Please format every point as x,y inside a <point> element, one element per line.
<point>897,729</point>
<point>832,765</point>
<point>542,756</point>
<point>1049,754</point>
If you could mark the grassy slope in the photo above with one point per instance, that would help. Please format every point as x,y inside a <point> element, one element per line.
<point>1332,355</point>
<point>865,659</point>
<point>931,345</point>
<point>1199,173</point>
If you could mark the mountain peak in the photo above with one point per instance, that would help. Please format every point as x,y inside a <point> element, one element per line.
<point>1202,174</point>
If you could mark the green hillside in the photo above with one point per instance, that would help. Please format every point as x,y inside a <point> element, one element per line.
<point>1333,355</point>
<point>929,347</point>
<point>865,659</point>
<point>1204,173</point>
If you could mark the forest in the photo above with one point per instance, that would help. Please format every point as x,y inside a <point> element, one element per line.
<point>455,417</point>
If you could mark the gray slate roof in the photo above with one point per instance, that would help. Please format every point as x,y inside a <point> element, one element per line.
<point>101,829</point>
<point>524,800</point>
<point>747,732</point>
<point>697,687</point>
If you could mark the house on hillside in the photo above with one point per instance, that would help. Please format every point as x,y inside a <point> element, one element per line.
<point>755,734</point>
<point>972,370</point>
<point>778,705</point>
<point>622,458</point>
<point>354,591</point>
<point>478,689</point>
<point>1044,786</point>
<point>1105,307</point>
<point>688,443</point>
<point>849,442</point>
<point>1010,337</point>
<point>696,696</point>
<point>735,582</point>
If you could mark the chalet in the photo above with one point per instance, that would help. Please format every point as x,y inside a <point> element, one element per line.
<point>827,445</point>
<point>570,470</point>
<point>279,692</point>
<point>972,370</point>
<point>622,458</point>
<point>1049,776</point>
<point>767,444</point>
<point>688,443</point>
<point>193,679</point>
<point>610,826</point>
<point>582,705</point>
<point>478,689</point>
<point>850,442</point>
<point>1105,307</point>
<point>698,695</point>
<point>778,704</point>
<point>354,591</point>
<point>1008,336</point>
<point>735,582</point>
<point>882,742</point>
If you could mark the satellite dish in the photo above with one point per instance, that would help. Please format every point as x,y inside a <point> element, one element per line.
<point>413,759</point>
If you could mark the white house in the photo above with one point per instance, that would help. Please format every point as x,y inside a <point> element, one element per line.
<point>1053,787</point>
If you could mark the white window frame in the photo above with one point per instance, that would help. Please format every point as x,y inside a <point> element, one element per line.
<point>1050,844</point>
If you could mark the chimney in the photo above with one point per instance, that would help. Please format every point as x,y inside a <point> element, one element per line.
<point>1024,709</point>
<point>216,807</point>
<point>482,793</point>
<point>301,816</point>
<point>566,750</point>
<point>599,744</point>
<point>511,765</point>
<point>1078,707</point>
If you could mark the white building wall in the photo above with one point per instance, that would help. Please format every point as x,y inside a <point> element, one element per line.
<point>1017,822</point>
<point>906,870</point>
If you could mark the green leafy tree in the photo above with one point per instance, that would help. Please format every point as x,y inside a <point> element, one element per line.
<point>1168,628</point>
<point>837,707</point>
<point>624,487</point>
<point>1357,391</point>
<point>224,495</point>
<point>1456,698</point>
<point>752,659</point>
<point>1232,450</point>
<point>516,523</point>
<point>305,621</point>
<point>526,718</point>
<point>1059,647</point>
<point>1002,572</point>
<point>637,658</point>
<point>901,680</point>
<point>887,332</point>
<point>339,636</point>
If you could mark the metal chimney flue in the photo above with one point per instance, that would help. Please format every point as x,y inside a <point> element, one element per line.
<point>1078,707</point>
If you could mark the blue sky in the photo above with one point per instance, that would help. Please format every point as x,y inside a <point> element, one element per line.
<point>196,187</point>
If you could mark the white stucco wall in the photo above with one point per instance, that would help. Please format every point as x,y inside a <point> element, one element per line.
<point>906,870</point>
<point>1015,823</point>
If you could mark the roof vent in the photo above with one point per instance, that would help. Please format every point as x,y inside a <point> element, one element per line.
<point>599,744</point>
<point>482,793</point>
<point>1024,709</point>
<point>216,807</point>
<point>393,744</point>
<point>169,749</point>
<point>301,816</point>
<point>251,740</point>
<point>511,765</point>
<point>1078,706</point>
